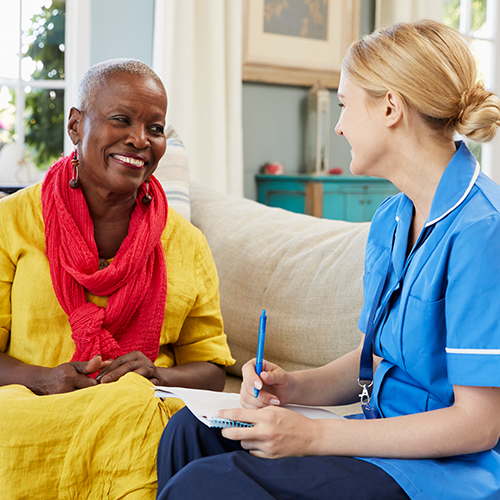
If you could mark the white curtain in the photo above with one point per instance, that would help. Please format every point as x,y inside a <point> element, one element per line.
<point>197,53</point>
<point>391,11</point>
<point>491,150</point>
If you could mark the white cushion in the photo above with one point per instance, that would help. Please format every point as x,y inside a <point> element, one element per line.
<point>173,173</point>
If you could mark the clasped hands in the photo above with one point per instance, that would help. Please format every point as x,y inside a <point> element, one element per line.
<point>75,375</point>
<point>277,432</point>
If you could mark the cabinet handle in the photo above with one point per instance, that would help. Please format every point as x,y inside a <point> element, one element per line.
<point>369,202</point>
<point>362,202</point>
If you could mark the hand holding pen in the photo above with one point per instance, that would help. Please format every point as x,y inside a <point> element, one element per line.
<point>260,347</point>
<point>274,385</point>
<point>261,377</point>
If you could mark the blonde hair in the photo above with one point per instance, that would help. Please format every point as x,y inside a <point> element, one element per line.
<point>432,69</point>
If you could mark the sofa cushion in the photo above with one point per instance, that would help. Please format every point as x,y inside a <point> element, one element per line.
<point>306,272</point>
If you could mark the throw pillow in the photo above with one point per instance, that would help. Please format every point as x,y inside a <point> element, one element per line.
<point>173,174</point>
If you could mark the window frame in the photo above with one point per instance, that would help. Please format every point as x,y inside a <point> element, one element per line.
<point>77,54</point>
<point>76,61</point>
<point>490,150</point>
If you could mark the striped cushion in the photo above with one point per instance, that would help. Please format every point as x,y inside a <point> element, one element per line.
<point>173,173</point>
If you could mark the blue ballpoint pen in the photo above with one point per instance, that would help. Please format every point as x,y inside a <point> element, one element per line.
<point>260,347</point>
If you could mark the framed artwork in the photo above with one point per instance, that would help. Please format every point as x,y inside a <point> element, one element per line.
<point>297,42</point>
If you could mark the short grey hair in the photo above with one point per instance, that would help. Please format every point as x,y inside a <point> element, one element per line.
<point>92,79</point>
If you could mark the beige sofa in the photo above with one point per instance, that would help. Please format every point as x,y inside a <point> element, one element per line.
<point>306,272</point>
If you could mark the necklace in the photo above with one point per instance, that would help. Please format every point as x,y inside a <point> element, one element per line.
<point>103,263</point>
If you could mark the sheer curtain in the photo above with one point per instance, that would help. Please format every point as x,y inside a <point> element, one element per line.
<point>388,11</point>
<point>491,150</point>
<point>197,53</point>
<point>391,11</point>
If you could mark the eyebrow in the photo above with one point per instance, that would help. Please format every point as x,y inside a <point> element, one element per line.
<point>157,116</point>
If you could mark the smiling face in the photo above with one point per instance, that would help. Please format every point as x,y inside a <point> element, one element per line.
<point>362,125</point>
<point>120,137</point>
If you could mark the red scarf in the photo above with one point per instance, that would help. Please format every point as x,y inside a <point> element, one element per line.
<point>135,281</point>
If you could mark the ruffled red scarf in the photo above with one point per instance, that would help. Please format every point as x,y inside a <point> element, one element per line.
<point>135,281</point>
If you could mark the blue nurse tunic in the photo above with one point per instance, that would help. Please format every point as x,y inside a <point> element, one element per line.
<point>438,320</point>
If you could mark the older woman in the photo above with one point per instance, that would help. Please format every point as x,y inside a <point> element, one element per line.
<point>105,288</point>
<point>430,315</point>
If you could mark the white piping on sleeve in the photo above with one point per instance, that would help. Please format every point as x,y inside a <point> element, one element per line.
<point>454,350</point>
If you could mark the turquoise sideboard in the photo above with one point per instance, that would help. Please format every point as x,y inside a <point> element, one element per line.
<point>353,199</point>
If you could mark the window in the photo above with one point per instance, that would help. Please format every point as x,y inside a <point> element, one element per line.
<point>478,21</point>
<point>37,82</point>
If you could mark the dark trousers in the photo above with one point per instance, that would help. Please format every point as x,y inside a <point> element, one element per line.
<point>196,462</point>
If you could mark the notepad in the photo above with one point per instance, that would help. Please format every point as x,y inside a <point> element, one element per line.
<point>204,404</point>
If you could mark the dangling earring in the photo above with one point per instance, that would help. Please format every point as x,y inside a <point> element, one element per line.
<point>147,198</point>
<point>74,183</point>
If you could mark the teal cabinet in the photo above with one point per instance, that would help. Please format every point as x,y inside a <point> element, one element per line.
<point>353,199</point>
<point>289,195</point>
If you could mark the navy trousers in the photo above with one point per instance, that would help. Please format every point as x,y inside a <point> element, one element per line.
<point>196,462</point>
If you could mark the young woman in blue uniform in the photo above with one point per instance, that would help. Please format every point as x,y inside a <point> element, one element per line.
<point>431,314</point>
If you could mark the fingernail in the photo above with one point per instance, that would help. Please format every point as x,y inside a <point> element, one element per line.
<point>275,402</point>
<point>258,384</point>
<point>217,413</point>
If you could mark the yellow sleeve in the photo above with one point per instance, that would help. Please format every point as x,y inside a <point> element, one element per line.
<point>202,335</point>
<point>192,329</point>
<point>33,326</point>
<point>7,270</point>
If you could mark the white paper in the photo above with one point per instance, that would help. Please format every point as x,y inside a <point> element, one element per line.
<point>204,404</point>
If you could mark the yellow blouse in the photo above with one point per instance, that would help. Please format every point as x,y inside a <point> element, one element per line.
<point>35,329</point>
<point>98,442</point>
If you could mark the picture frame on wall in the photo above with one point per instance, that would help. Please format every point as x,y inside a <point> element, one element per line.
<point>297,42</point>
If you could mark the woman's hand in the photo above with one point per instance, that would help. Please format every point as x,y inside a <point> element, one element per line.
<point>431,434</point>
<point>275,385</point>
<point>198,374</point>
<point>277,432</point>
<point>66,377</point>
<point>135,362</point>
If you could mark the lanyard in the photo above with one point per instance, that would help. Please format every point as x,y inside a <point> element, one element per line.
<point>365,379</point>
<point>366,358</point>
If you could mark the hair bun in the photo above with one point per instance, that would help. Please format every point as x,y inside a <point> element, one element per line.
<point>479,114</point>
<point>472,95</point>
